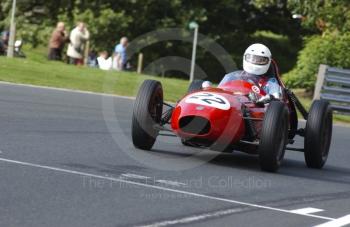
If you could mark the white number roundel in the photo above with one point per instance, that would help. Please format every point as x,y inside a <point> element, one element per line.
<point>209,99</point>
<point>256,89</point>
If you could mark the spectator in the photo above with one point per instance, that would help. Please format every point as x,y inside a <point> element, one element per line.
<point>104,62</point>
<point>92,59</point>
<point>78,37</point>
<point>120,55</point>
<point>57,42</point>
<point>5,36</point>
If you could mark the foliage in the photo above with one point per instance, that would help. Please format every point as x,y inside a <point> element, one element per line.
<point>329,49</point>
<point>325,15</point>
<point>318,15</point>
<point>283,49</point>
<point>231,23</point>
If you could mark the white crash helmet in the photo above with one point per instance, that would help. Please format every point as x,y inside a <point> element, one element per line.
<point>257,59</point>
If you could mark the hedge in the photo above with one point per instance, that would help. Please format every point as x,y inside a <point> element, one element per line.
<point>329,49</point>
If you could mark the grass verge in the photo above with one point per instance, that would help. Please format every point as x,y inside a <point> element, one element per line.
<point>36,70</point>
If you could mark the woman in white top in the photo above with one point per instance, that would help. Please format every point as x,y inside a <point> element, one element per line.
<point>78,37</point>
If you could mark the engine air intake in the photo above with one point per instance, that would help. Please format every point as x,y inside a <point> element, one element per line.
<point>195,125</point>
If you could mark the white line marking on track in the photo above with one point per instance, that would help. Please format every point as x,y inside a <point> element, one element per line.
<point>308,210</point>
<point>198,195</point>
<point>66,90</point>
<point>194,218</point>
<point>172,183</point>
<point>343,221</point>
<point>135,176</point>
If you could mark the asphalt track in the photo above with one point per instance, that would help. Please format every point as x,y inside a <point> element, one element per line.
<point>66,160</point>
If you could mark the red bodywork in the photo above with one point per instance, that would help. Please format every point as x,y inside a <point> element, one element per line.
<point>226,126</point>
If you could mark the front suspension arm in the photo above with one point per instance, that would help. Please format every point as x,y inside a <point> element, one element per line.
<point>297,104</point>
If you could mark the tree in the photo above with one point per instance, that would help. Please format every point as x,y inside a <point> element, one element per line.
<point>318,15</point>
<point>234,24</point>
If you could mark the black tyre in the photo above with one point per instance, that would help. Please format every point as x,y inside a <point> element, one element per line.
<point>273,137</point>
<point>147,114</point>
<point>185,143</point>
<point>195,85</point>
<point>318,134</point>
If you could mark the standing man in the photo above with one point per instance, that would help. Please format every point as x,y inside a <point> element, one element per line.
<point>120,55</point>
<point>57,41</point>
<point>78,37</point>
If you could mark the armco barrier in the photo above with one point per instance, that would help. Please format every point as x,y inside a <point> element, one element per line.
<point>333,85</point>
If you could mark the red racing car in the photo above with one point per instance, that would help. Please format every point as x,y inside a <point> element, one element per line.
<point>231,117</point>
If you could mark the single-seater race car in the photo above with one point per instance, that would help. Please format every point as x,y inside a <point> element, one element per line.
<point>232,117</point>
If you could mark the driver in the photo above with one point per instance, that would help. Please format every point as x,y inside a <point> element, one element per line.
<point>256,63</point>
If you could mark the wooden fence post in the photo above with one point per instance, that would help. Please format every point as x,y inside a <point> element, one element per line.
<point>86,52</point>
<point>320,80</point>
<point>140,64</point>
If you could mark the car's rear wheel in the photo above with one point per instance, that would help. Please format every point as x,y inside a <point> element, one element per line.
<point>147,114</point>
<point>318,134</point>
<point>273,137</point>
<point>195,85</point>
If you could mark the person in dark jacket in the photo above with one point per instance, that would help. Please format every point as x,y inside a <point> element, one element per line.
<point>57,42</point>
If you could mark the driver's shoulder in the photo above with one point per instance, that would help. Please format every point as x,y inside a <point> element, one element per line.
<point>233,73</point>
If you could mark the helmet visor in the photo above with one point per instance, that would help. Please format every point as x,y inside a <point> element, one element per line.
<point>256,60</point>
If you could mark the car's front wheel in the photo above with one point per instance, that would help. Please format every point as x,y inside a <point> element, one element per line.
<point>147,114</point>
<point>273,137</point>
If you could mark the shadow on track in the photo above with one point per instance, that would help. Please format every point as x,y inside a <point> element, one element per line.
<point>292,168</point>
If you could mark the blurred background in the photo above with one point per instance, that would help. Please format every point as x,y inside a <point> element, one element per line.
<point>301,33</point>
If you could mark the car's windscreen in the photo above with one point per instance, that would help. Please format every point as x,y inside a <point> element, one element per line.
<point>240,75</point>
<point>236,75</point>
